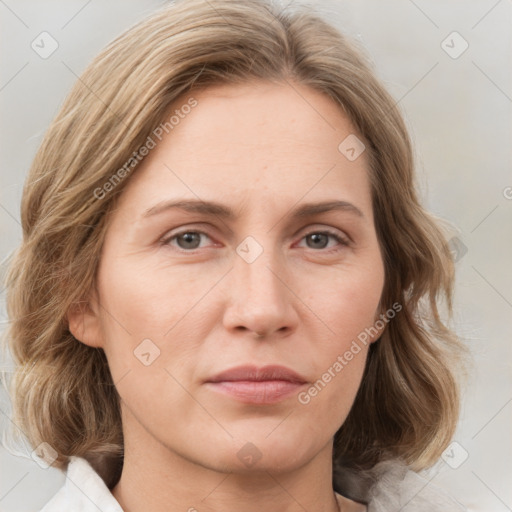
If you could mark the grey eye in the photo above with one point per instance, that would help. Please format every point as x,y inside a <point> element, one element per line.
<point>189,240</point>
<point>319,240</point>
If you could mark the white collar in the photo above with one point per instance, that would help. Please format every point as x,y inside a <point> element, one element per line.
<point>83,491</point>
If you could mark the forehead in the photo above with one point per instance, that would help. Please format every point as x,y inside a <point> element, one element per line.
<point>257,140</point>
<point>277,117</point>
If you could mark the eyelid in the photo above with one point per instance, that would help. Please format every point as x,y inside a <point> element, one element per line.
<point>322,228</point>
<point>342,239</point>
<point>166,239</point>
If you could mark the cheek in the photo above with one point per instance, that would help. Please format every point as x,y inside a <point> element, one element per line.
<point>350,302</point>
<point>153,325</point>
<point>143,301</point>
<point>339,364</point>
<point>349,310</point>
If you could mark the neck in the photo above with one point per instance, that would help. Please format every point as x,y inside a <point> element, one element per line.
<point>157,479</point>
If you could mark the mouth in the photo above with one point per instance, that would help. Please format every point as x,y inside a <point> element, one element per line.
<point>253,385</point>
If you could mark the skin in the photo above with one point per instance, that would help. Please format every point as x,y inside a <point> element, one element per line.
<point>262,149</point>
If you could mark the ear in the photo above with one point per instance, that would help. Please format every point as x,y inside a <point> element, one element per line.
<point>377,330</point>
<point>84,322</point>
<point>379,325</point>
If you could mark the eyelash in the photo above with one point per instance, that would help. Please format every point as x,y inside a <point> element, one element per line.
<point>341,240</point>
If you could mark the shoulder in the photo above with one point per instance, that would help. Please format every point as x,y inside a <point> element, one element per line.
<point>83,491</point>
<point>397,488</point>
<point>391,486</point>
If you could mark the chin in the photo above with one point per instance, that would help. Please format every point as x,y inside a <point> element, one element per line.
<point>275,452</point>
<point>249,461</point>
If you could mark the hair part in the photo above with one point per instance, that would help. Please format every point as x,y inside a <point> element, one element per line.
<point>63,394</point>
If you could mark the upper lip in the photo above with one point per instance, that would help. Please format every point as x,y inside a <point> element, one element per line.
<point>253,373</point>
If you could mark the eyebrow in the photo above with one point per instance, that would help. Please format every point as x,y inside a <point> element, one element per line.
<point>213,208</point>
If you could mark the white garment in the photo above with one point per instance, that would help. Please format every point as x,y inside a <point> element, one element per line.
<point>397,490</point>
<point>83,491</point>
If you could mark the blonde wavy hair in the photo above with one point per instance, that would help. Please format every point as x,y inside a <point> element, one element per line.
<point>62,392</point>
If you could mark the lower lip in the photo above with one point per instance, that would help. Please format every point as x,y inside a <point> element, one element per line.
<point>257,392</point>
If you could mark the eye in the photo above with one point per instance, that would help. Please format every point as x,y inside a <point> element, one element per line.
<point>186,240</point>
<point>190,240</point>
<point>320,239</point>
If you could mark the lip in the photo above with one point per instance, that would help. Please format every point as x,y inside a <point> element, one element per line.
<point>250,384</point>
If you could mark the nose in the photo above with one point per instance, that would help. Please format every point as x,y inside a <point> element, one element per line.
<point>261,301</point>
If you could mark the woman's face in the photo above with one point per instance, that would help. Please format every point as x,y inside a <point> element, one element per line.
<point>181,291</point>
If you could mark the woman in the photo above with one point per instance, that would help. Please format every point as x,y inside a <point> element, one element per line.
<point>183,339</point>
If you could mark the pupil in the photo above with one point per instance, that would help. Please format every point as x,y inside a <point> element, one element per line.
<point>315,238</point>
<point>189,239</point>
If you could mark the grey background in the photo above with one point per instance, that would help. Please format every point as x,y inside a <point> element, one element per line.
<point>459,113</point>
